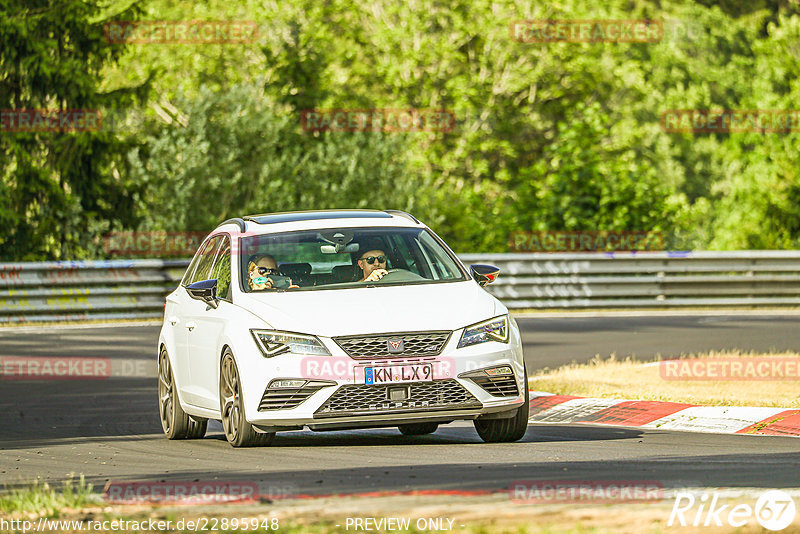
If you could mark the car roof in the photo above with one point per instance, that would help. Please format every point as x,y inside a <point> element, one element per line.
<point>291,220</point>
<point>294,216</point>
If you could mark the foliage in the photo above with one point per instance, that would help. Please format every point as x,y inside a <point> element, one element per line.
<point>58,187</point>
<point>240,153</point>
<point>41,498</point>
<point>548,136</point>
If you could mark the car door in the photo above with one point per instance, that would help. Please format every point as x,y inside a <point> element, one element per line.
<point>176,309</point>
<point>174,321</point>
<point>205,340</point>
<point>191,391</point>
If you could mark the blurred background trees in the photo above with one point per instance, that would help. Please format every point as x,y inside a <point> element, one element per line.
<point>59,189</point>
<point>559,136</point>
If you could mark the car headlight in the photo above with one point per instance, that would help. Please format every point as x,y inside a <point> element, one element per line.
<point>492,330</point>
<point>272,343</point>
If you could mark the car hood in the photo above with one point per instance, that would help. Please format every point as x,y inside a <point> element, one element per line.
<point>406,308</point>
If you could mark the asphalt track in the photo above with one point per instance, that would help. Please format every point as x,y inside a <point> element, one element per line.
<point>108,429</point>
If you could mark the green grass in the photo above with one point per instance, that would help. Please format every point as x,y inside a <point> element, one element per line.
<point>39,497</point>
<point>612,378</point>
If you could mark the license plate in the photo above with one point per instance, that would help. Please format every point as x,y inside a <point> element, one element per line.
<point>396,374</point>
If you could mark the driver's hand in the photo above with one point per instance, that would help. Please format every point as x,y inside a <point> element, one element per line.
<point>376,275</point>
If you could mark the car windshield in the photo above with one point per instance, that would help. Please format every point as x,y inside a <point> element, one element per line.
<point>329,259</point>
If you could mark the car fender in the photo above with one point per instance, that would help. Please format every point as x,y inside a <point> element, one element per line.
<point>238,338</point>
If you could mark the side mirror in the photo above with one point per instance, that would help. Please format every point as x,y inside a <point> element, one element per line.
<point>205,290</point>
<point>484,274</point>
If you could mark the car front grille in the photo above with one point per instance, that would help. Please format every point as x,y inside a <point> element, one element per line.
<point>498,386</point>
<point>359,399</point>
<point>285,398</point>
<point>414,344</point>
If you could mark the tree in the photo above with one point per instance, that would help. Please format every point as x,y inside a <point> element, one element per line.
<point>239,152</point>
<point>60,185</point>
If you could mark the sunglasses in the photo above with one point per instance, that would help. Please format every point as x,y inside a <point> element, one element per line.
<point>267,270</point>
<point>371,259</point>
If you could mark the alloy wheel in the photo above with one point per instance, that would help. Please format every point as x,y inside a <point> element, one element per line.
<point>231,399</point>
<point>165,385</point>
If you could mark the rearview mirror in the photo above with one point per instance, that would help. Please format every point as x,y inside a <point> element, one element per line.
<point>205,290</point>
<point>338,248</point>
<point>484,274</point>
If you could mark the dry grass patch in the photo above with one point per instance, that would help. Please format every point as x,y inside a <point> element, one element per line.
<point>628,379</point>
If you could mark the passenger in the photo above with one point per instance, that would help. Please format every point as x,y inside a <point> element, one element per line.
<point>373,265</point>
<point>261,268</point>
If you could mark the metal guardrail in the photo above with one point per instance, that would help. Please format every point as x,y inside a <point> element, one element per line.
<point>646,279</point>
<point>85,290</point>
<point>135,289</point>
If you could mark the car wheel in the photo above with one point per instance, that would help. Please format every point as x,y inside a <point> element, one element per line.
<point>176,423</point>
<point>418,429</point>
<point>238,431</point>
<point>506,430</point>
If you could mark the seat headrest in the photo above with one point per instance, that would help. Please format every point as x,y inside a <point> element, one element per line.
<point>346,273</point>
<point>294,269</point>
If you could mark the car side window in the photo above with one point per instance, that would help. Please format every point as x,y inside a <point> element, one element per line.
<point>187,276</point>
<point>441,263</point>
<point>222,270</point>
<point>404,256</point>
<point>206,260</point>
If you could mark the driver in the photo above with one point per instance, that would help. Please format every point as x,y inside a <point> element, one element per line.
<point>373,265</point>
<point>259,268</point>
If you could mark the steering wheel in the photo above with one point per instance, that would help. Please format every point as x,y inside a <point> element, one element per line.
<point>400,275</point>
<point>390,275</point>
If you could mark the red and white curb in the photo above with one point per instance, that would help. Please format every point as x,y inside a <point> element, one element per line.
<point>549,408</point>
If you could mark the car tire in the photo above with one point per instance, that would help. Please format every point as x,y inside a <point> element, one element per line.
<point>238,431</point>
<point>175,423</point>
<point>506,430</point>
<point>418,429</point>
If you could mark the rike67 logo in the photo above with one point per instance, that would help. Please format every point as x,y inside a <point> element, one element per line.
<point>774,510</point>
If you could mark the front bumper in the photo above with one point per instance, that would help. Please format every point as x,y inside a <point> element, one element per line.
<point>336,396</point>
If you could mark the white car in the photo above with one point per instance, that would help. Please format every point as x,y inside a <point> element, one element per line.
<point>333,320</point>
